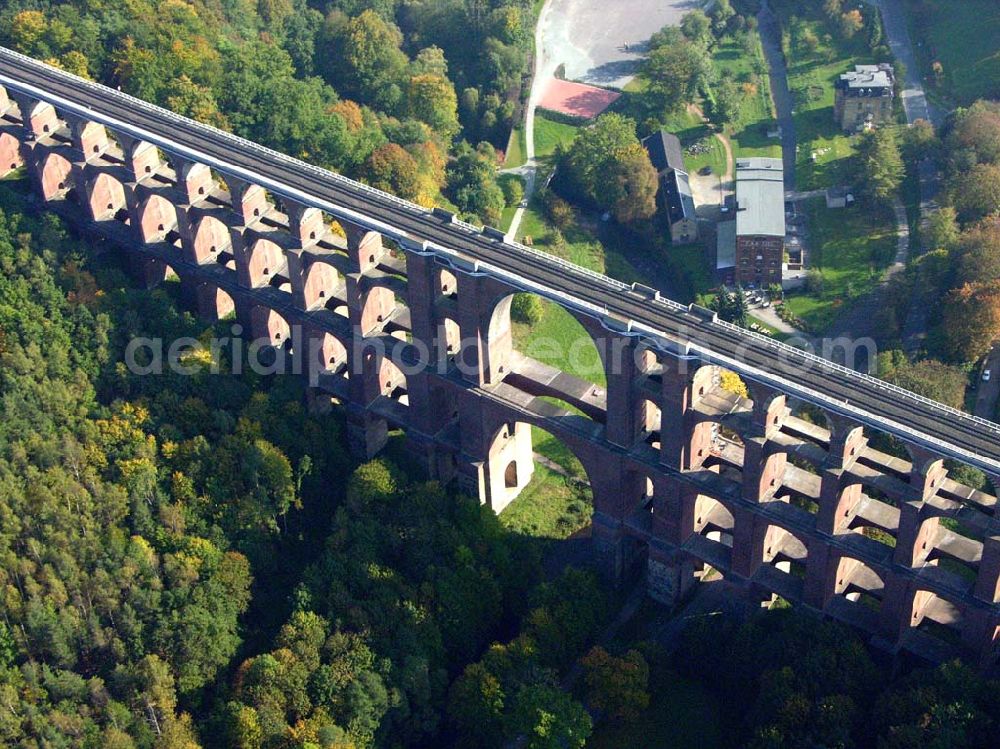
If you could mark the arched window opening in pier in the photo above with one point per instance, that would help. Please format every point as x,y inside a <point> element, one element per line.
<point>57,178</point>
<point>944,545</point>
<point>10,154</point>
<point>107,199</point>
<point>447,284</point>
<point>858,583</point>
<point>266,261</point>
<point>212,241</point>
<point>323,286</point>
<point>933,620</point>
<point>785,552</point>
<point>271,329</point>
<point>158,220</point>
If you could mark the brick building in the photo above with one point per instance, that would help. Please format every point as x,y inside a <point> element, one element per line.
<point>751,249</point>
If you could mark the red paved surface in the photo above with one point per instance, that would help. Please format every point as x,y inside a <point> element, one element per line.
<point>576,99</point>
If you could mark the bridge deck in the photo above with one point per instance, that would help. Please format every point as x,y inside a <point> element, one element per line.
<point>835,388</point>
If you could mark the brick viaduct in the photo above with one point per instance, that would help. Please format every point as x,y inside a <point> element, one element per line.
<point>687,478</point>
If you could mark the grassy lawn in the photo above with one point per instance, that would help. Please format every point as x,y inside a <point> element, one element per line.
<point>745,63</point>
<point>681,715</point>
<point>560,341</point>
<point>516,153</point>
<point>850,248</point>
<point>549,507</point>
<point>824,151</point>
<point>549,133</point>
<point>962,36</point>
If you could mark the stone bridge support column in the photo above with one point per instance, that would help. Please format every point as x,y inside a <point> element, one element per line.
<point>37,117</point>
<point>487,343</point>
<point>617,553</point>
<point>90,139</point>
<point>763,460</point>
<point>749,532</point>
<point>676,401</point>
<point>619,355</point>
<point>431,406</point>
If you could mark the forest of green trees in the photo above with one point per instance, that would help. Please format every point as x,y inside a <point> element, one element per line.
<point>382,91</point>
<point>196,561</point>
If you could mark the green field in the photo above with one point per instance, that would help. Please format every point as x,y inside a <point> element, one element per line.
<point>748,134</point>
<point>961,35</point>
<point>824,151</point>
<point>549,134</point>
<point>516,153</point>
<point>549,507</point>
<point>850,248</point>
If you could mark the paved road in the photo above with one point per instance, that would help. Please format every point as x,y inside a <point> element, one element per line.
<point>770,36</point>
<point>915,101</point>
<point>685,332</point>
<point>989,392</point>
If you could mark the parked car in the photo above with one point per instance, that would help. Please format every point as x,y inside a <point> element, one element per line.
<point>766,303</point>
<point>986,375</point>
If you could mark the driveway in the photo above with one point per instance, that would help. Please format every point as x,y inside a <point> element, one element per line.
<point>914,100</point>
<point>589,37</point>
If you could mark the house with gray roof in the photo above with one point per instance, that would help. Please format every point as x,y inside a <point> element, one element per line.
<point>674,196</point>
<point>863,97</point>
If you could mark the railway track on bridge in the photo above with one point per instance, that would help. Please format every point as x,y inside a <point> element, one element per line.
<point>835,388</point>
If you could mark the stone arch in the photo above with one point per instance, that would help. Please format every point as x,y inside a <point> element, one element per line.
<point>214,303</point>
<point>321,285</point>
<point>446,283</point>
<point>270,328</point>
<point>713,520</point>
<point>327,354</point>
<point>392,382</point>
<point>939,544</point>
<point>573,346</point>
<point>784,550</point>
<point>377,308</point>
<point>56,177</point>
<point>450,335</point>
<point>10,154</point>
<point>107,199</point>
<point>266,261</point>
<point>649,361</point>
<point>858,583</point>
<point>158,220</point>
<point>649,421</point>
<point>212,240</point>
<point>712,444</point>
<point>938,617</point>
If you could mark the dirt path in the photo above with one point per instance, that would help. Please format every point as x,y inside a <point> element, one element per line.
<point>711,189</point>
<point>781,97</point>
<point>544,69</point>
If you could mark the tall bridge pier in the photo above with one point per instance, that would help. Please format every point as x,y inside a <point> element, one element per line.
<point>819,485</point>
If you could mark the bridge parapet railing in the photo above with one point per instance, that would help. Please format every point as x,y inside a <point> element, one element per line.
<point>875,381</point>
